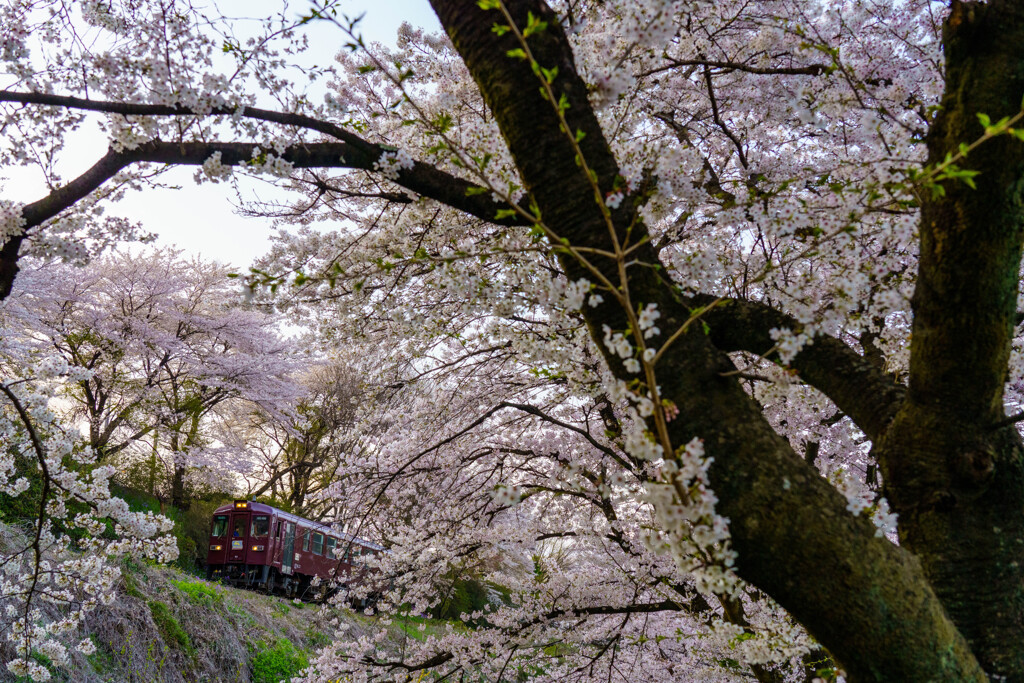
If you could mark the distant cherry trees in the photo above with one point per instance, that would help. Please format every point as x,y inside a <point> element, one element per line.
<point>164,341</point>
<point>293,456</point>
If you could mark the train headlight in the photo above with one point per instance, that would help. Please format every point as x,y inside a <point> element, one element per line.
<point>216,547</point>
<point>241,503</point>
<point>258,548</point>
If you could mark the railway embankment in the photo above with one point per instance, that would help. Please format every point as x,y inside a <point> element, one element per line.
<point>168,626</point>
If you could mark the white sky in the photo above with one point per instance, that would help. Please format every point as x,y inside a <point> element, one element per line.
<point>201,219</point>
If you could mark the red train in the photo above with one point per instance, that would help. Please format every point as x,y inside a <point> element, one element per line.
<point>259,546</point>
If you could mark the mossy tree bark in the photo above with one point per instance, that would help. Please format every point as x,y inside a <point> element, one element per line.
<point>948,602</point>
<point>954,471</point>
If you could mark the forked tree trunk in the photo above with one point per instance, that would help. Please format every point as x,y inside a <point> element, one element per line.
<point>955,479</point>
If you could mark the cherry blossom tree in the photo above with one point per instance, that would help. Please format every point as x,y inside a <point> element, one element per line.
<point>295,454</point>
<point>164,341</point>
<point>120,349</point>
<point>659,298</point>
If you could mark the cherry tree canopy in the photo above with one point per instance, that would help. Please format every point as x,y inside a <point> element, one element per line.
<point>657,299</point>
<point>165,342</point>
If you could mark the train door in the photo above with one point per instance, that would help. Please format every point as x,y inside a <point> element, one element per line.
<point>288,555</point>
<point>239,534</point>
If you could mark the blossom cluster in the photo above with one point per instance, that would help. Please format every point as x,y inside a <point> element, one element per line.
<point>689,528</point>
<point>390,164</point>
<point>214,170</point>
<point>12,222</point>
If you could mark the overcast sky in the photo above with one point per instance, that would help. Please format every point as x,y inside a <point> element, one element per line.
<point>201,219</point>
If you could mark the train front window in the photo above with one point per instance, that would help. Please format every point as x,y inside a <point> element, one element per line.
<point>220,526</point>
<point>238,527</point>
<point>260,525</point>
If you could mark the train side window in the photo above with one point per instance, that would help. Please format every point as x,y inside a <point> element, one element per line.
<point>260,525</point>
<point>318,544</point>
<point>220,526</point>
<point>305,540</point>
<point>331,542</point>
<point>277,534</point>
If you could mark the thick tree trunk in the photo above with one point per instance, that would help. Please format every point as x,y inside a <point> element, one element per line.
<point>954,476</point>
<point>178,488</point>
<point>867,601</point>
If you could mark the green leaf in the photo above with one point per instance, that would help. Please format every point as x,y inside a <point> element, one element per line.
<point>984,120</point>
<point>475,190</point>
<point>533,25</point>
<point>535,209</point>
<point>488,4</point>
<point>367,68</point>
<point>504,213</point>
<point>501,29</point>
<point>518,52</point>
<point>442,122</point>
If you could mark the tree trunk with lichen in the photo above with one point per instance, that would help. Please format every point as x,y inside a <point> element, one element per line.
<point>948,602</point>
<point>954,470</point>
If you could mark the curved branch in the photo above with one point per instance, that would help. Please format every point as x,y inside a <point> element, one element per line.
<point>141,109</point>
<point>532,410</point>
<point>423,179</point>
<point>809,70</point>
<point>827,364</point>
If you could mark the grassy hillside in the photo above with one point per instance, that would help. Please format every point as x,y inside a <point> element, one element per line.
<point>169,626</point>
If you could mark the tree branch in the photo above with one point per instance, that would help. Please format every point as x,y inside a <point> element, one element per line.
<point>422,179</point>
<point>827,364</point>
<point>809,70</point>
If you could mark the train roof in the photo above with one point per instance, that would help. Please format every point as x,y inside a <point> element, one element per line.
<point>252,506</point>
